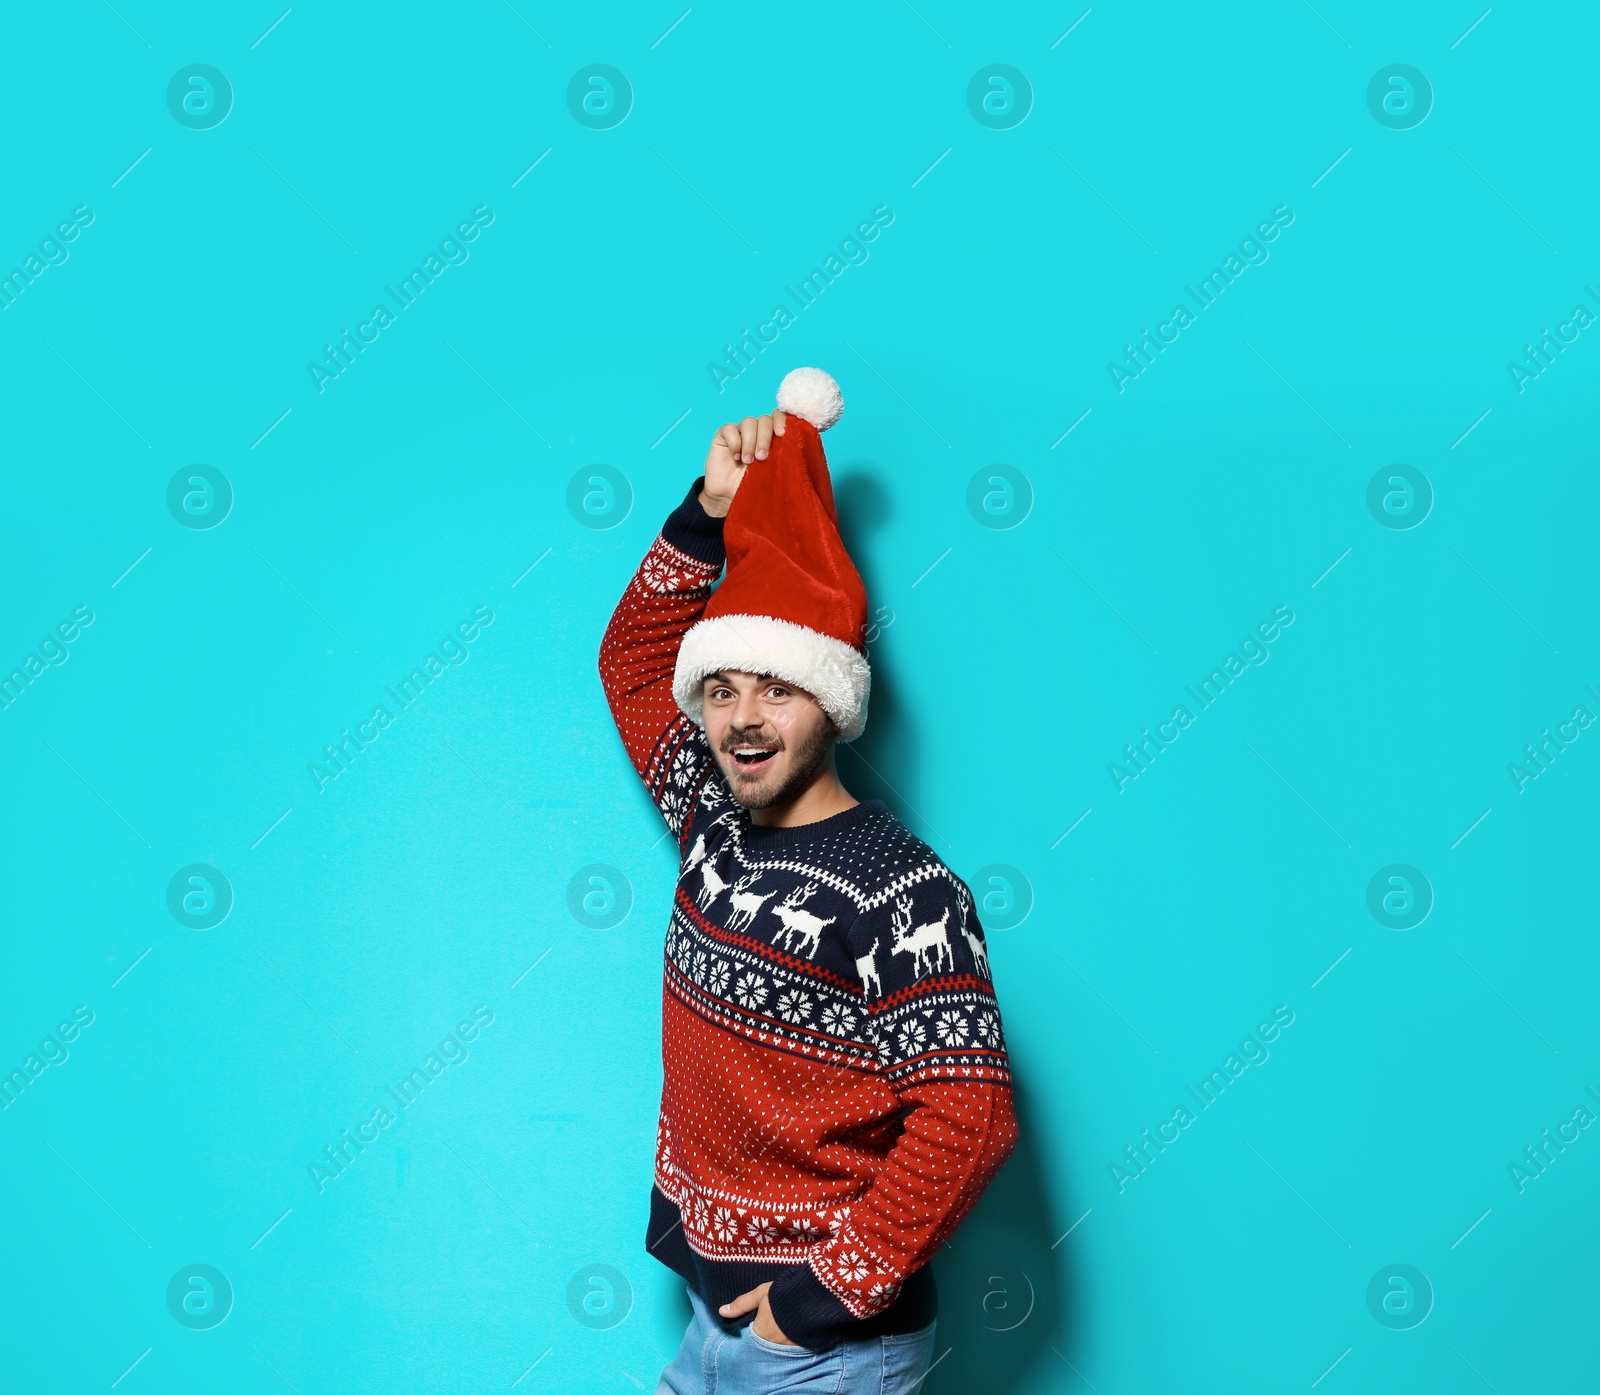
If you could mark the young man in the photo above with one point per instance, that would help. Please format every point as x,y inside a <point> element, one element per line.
<point>836,1090</point>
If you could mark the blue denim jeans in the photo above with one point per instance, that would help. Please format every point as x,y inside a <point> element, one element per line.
<point>719,1358</point>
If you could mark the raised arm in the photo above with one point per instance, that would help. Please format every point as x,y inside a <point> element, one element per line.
<point>662,601</point>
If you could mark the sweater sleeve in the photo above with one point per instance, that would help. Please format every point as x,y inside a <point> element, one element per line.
<point>639,651</point>
<point>941,1048</point>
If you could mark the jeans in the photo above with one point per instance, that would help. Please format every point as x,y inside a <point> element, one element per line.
<point>721,1358</point>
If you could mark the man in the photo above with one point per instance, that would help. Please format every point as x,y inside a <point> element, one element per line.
<point>836,1091</point>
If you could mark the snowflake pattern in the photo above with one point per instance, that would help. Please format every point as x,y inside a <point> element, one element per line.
<point>912,1036</point>
<point>852,1267</point>
<point>988,1028</point>
<point>750,991</point>
<point>838,1019</point>
<point>717,978</point>
<point>661,573</point>
<point>885,1047</point>
<point>794,1006</point>
<point>735,1228</point>
<point>951,1028</point>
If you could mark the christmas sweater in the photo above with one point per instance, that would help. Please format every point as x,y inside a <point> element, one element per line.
<point>836,1093</point>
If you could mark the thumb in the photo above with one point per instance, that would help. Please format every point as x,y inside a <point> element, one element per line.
<point>744,1303</point>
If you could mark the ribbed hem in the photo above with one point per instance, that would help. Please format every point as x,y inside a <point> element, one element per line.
<point>689,528</point>
<point>803,1309</point>
<point>807,1313</point>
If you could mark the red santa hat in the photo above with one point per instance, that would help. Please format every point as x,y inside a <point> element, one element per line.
<point>792,604</point>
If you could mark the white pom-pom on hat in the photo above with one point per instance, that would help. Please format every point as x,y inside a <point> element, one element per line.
<point>812,395</point>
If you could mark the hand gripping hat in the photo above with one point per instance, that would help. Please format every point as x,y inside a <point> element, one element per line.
<point>792,604</point>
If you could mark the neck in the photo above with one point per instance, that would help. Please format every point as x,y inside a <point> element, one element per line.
<point>821,799</point>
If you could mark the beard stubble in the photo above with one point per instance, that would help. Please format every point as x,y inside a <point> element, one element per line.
<point>808,760</point>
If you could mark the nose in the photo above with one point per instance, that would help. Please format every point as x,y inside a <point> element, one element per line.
<point>747,714</point>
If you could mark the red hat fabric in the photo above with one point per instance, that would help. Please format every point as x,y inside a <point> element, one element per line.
<point>792,604</point>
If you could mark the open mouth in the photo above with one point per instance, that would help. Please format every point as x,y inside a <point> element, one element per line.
<point>753,758</point>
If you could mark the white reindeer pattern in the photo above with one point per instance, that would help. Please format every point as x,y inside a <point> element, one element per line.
<point>867,967</point>
<point>697,854</point>
<point>712,885</point>
<point>746,903</point>
<point>801,924</point>
<point>934,935</point>
<point>980,952</point>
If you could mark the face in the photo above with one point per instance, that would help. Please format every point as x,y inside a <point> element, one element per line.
<point>770,738</point>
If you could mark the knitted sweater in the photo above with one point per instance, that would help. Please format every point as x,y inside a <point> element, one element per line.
<point>836,1092</point>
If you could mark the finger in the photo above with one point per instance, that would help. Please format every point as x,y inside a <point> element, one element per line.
<point>763,437</point>
<point>747,440</point>
<point>725,447</point>
<point>743,1304</point>
<point>778,420</point>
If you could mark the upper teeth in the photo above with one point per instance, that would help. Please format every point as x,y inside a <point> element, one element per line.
<point>750,751</point>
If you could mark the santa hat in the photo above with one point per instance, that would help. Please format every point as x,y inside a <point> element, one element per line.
<point>792,604</point>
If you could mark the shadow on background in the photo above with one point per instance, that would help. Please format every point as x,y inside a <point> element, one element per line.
<point>878,764</point>
<point>1003,1291</point>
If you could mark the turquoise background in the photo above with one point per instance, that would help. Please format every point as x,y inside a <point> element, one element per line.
<point>372,914</point>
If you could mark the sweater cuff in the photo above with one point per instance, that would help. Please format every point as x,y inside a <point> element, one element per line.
<point>689,528</point>
<point>806,1312</point>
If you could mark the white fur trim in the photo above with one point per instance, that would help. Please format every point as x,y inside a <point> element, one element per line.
<point>830,670</point>
<point>811,394</point>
